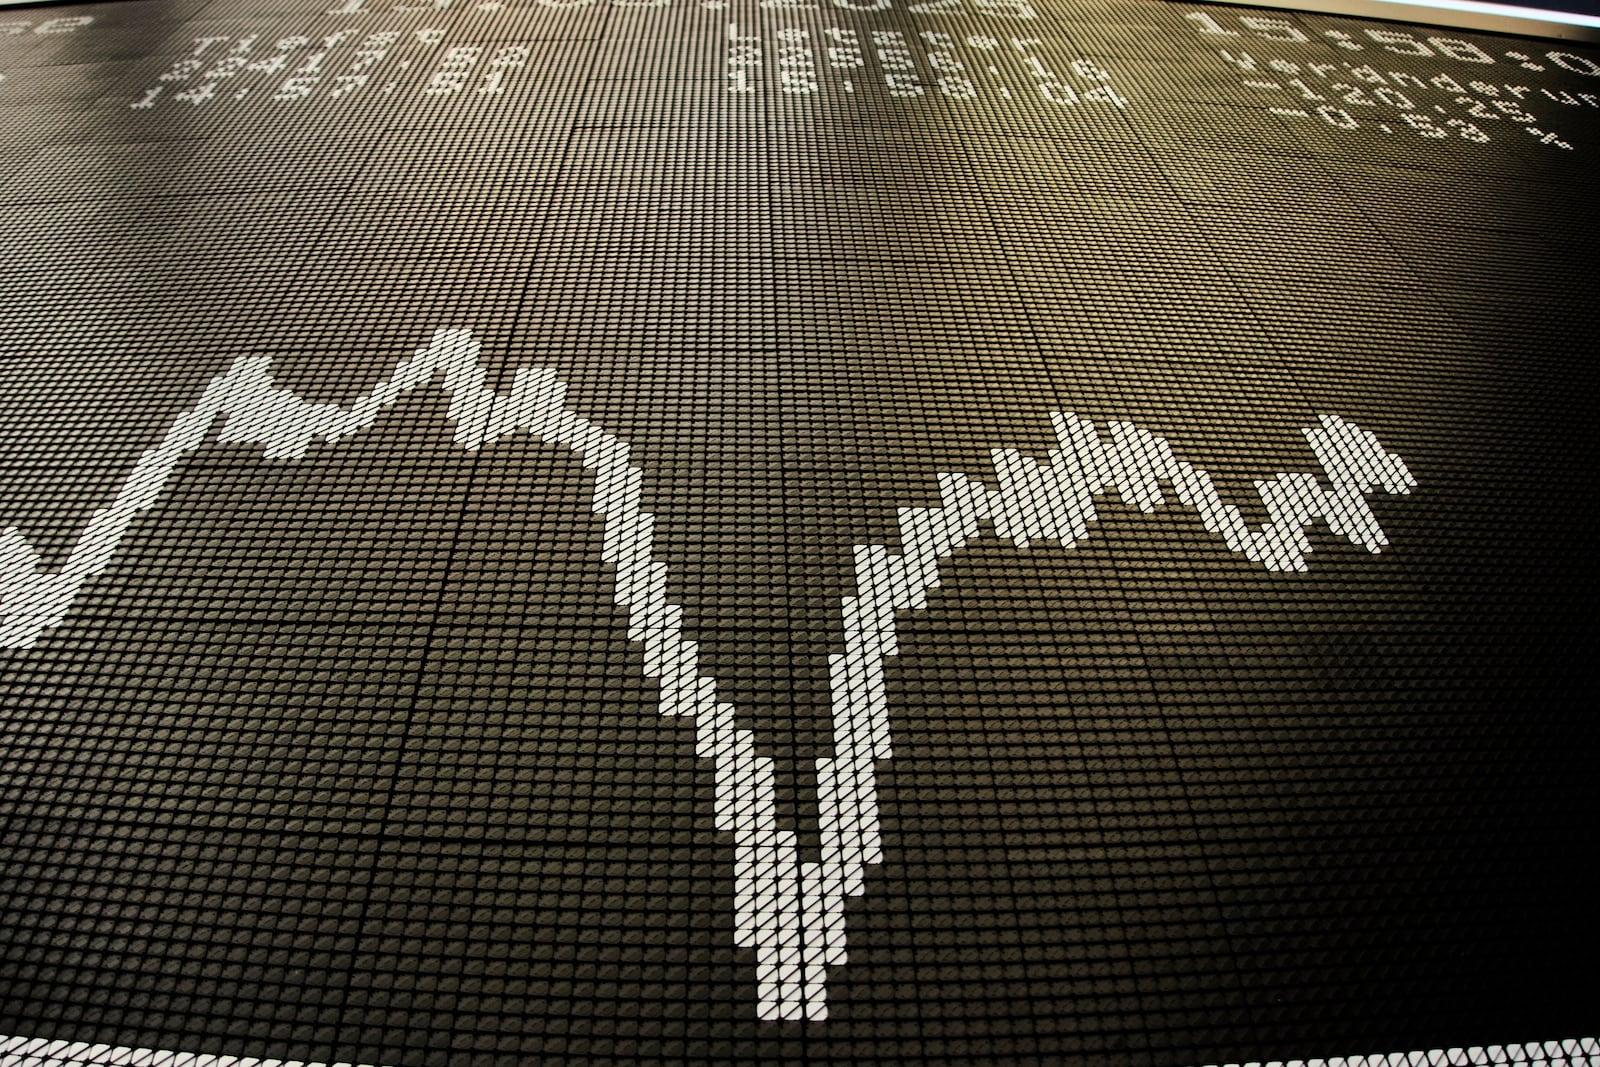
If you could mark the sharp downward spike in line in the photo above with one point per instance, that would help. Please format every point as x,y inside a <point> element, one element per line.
<point>789,910</point>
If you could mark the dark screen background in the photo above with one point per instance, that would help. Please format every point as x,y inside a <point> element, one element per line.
<point>350,758</point>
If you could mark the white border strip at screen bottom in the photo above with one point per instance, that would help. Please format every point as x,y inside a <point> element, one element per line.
<point>39,1052</point>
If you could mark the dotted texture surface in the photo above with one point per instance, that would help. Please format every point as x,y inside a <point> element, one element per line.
<point>352,748</point>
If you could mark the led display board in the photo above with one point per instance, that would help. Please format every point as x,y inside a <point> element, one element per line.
<point>838,531</point>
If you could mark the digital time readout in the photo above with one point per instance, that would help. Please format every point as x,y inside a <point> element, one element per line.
<point>1478,102</point>
<point>910,65</point>
<point>295,67</point>
<point>1400,84</point>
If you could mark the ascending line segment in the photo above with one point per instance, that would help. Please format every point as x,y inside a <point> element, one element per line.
<point>788,909</point>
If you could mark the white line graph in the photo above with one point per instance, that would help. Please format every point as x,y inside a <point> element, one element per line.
<point>790,909</point>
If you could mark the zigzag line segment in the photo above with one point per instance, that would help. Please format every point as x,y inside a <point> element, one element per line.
<point>790,911</point>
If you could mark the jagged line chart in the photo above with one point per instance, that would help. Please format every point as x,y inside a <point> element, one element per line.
<point>789,908</point>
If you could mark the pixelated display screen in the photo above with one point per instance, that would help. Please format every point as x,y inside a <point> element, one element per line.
<point>844,531</point>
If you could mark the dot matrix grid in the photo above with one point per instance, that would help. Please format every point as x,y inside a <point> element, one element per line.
<point>728,531</point>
